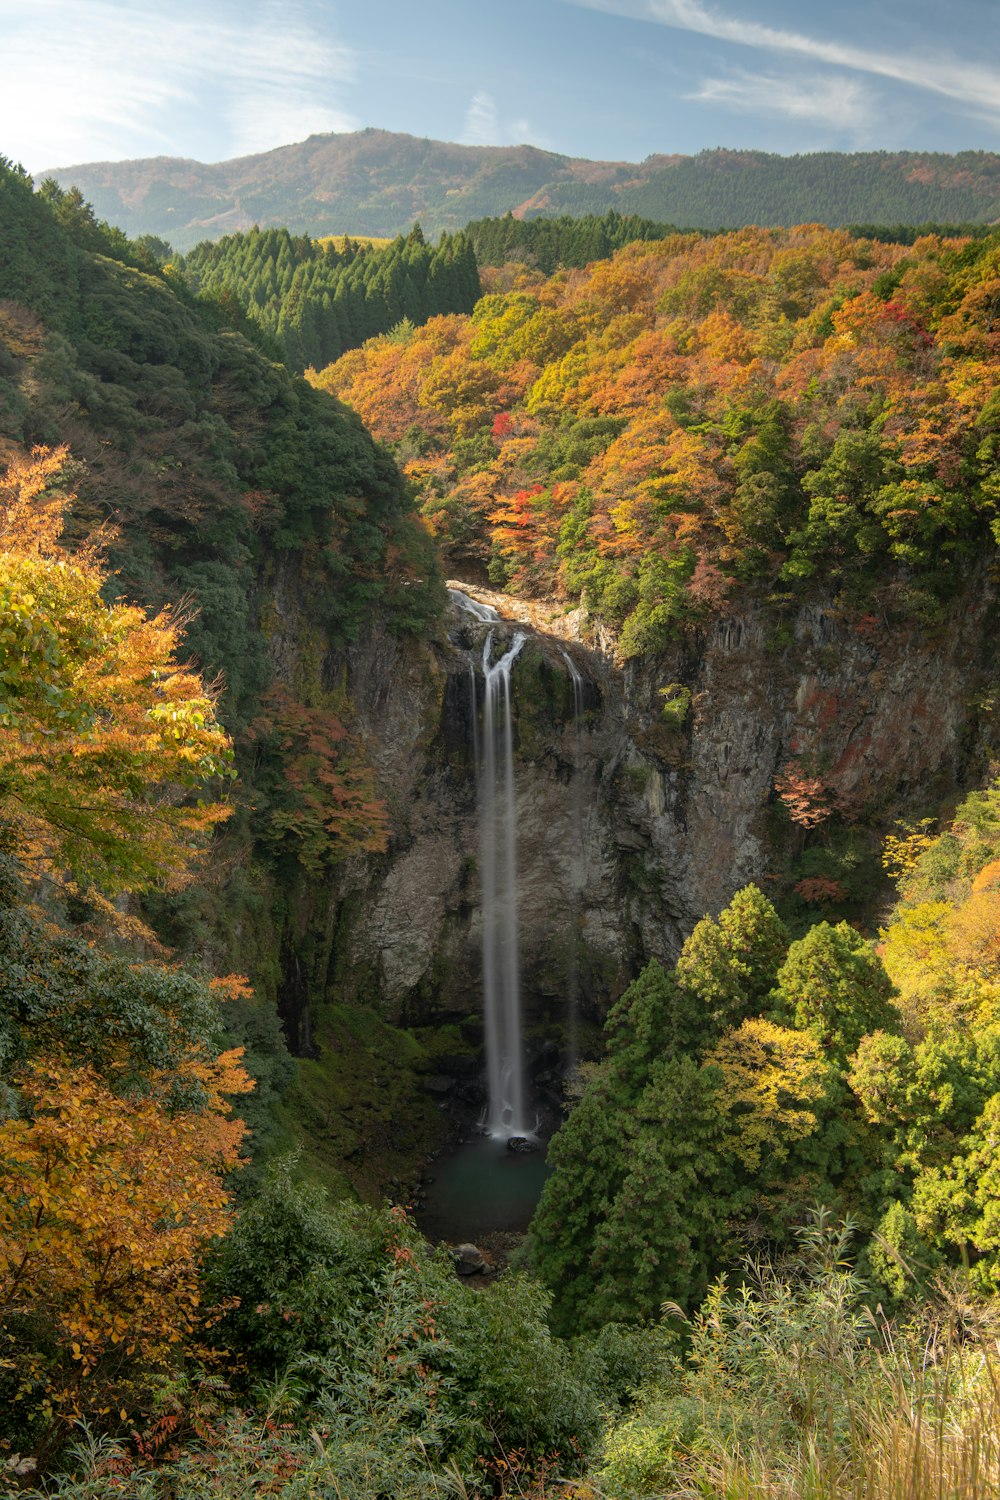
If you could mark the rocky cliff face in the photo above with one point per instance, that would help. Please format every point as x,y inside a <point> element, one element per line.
<point>656,803</point>
<point>416,935</point>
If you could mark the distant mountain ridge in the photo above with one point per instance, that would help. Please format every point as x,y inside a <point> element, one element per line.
<point>376,182</point>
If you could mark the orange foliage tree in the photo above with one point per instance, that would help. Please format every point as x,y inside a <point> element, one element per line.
<point>805,797</point>
<point>326,805</point>
<point>105,1205</point>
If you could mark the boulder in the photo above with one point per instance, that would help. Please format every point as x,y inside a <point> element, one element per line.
<point>522,1144</point>
<point>469,1260</point>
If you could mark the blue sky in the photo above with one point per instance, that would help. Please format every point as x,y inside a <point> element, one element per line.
<point>88,80</point>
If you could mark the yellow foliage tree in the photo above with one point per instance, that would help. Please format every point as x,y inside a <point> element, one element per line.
<point>974,930</point>
<point>773,1078</point>
<point>106,740</point>
<point>917,955</point>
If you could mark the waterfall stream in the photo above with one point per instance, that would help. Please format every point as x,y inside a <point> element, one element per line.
<point>480,1186</point>
<point>506,1114</point>
<point>484,613</point>
<point>579,854</point>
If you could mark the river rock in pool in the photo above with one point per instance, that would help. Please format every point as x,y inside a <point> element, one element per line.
<point>521,1144</point>
<point>469,1260</point>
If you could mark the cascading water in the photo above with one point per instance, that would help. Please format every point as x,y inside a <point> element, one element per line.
<point>577,681</point>
<point>484,613</point>
<point>483,1186</point>
<point>579,850</point>
<point>494,750</point>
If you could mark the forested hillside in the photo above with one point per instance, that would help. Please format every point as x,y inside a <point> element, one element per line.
<point>761,410</point>
<point>319,300</point>
<point>555,244</point>
<point>223,480</point>
<point>726,189</point>
<point>206,454</point>
<point>763,1074</point>
<point>375,182</point>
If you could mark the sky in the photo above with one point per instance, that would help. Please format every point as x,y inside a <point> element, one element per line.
<point>108,80</point>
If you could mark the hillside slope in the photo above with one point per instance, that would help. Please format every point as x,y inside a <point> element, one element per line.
<point>263,506</point>
<point>767,408</point>
<point>377,182</point>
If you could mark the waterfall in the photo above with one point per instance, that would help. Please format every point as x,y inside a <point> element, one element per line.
<point>579,850</point>
<point>494,749</point>
<point>577,680</point>
<point>484,613</point>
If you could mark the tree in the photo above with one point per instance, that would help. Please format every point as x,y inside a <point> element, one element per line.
<point>730,964</point>
<point>664,1231</point>
<point>957,1205</point>
<point>323,803</point>
<point>106,742</point>
<point>589,1156</point>
<point>833,986</point>
<point>115,1131</point>
<point>772,1078</point>
<point>105,1206</point>
<point>636,1153</point>
<point>590,1153</point>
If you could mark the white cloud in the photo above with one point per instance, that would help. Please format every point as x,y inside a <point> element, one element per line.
<point>482,127</point>
<point>113,78</point>
<point>970,84</point>
<point>837,101</point>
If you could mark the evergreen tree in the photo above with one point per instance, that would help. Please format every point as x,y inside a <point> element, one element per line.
<point>320,300</point>
<point>664,1233</point>
<point>730,965</point>
<point>590,1153</point>
<point>833,985</point>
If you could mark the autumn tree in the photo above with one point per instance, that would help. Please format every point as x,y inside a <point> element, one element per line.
<point>115,1115</point>
<point>772,1078</point>
<point>105,1206</point>
<point>773,405</point>
<point>322,803</point>
<point>107,743</point>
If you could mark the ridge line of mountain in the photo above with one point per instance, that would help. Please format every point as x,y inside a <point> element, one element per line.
<point>378,182</point>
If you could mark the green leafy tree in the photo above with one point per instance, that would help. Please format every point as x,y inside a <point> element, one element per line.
<point>957,1205</point>
<point>730,964</point>
<point>833,986</point>
<point>664,1233</point>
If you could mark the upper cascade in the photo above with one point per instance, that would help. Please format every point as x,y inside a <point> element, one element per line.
<point>545,616</point>
<point>484,613</point>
